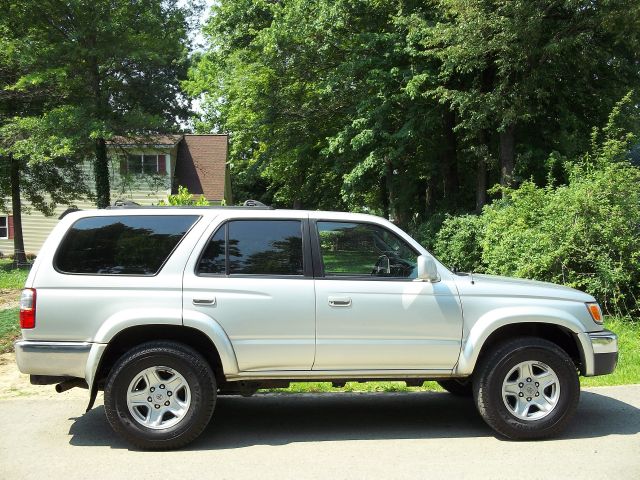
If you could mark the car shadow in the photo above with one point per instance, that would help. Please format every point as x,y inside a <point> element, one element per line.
<point>280,419</point>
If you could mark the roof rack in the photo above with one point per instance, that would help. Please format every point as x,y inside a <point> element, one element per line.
<point>125,203</point>
<point>68,211</point>
<point>248,204</point>
<point>253,203</point>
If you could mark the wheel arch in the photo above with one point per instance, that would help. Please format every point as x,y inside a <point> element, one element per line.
<point>132,336</point>
<point>489,331</point>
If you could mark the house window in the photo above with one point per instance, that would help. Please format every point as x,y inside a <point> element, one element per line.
<point>6,227</point>
<point>144,164</point>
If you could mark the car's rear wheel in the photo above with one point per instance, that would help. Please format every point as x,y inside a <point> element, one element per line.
<point>459,387</point>
<point>160,395</point>
<point>527,389</point>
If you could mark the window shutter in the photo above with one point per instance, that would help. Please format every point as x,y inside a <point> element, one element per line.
<point>123,166</point>
<point>162,164</point>
<point>10,225</point>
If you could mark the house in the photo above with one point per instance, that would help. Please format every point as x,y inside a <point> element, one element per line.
<point>144,170</point>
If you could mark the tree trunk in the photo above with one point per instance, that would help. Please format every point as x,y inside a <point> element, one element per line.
<point>507,155</point>
<point>16,206</point>
<point>101,163</point>
<point>481,173</point>
<point>384,197</point>
<point>487,85</point>
<point>388,178</point>
<point>101,172</point>
<point>450,161</point>
<point>481,184</point>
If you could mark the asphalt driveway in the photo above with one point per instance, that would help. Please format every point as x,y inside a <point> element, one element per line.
<point>329,436</point>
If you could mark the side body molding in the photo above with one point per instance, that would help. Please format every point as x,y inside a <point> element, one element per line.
<point>500,317</point>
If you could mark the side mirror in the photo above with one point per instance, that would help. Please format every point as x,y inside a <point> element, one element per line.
<point>427,269</point>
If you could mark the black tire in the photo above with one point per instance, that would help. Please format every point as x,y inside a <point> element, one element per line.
<point>492,372</point>
<point>459,387</point>
<point>193,368</point>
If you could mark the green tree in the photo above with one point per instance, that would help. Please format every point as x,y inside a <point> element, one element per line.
<point>583,234</point>
<point>116,64</point>
<point>518,71</point>
<point>314,96</point>
<point>35,163</point>
<point>408,108</point>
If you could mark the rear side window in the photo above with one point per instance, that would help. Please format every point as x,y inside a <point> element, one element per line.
<point>213,258</point>
<point>121,245</point>
<point>254,247</point>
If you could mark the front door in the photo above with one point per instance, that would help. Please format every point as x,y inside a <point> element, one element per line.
<point>370,313</point>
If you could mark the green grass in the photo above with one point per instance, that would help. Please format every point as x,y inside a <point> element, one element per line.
<point>9,329</point>
<point>11,277</point>
<point>325,387</point>
<point>628,369</point>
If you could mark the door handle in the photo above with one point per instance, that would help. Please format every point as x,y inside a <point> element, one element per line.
<point>339,301</point>
<point>204,301</point>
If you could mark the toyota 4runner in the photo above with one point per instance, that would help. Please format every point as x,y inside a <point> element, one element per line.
<point>166,308</point>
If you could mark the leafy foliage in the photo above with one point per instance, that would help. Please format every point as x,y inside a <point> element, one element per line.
<point>111,67</point>
<point>44,148</point>
<point>183,197</point>
<point>584,234</point>
<point>408,108</point>
<point>458,243</point>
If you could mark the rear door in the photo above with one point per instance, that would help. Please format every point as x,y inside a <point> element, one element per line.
<point>370,312</point>
<point>254,280</point>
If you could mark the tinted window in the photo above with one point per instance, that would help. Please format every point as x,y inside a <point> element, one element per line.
<point>269,247</point>
<point>256,247</point>
<point>213,259</point>
<point>363,249</point>
<point>125,245</point>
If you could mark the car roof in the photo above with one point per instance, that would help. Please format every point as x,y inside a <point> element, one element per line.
<point>223,211</point>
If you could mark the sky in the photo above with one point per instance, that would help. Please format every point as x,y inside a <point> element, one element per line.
<point>198,45</point>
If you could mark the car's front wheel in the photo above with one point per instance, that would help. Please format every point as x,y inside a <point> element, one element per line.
<point>160,395</point>
<point>527,389</point>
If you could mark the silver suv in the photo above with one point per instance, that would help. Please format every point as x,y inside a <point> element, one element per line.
<point>166,308</point>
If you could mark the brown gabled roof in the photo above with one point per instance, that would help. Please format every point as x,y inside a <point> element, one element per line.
<point>146,140</point>
<point>201,165</point>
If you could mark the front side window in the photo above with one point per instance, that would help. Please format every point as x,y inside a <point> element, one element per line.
<point>360,249</point>
<point>254,247</point>
<point>121,245</point>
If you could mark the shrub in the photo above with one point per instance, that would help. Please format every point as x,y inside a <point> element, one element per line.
<point>585,234</point>
<point>457,243</point>
<point>425,232</point>
<point>183,197</point>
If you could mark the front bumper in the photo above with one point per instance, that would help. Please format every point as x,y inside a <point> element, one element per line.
<point>605,351</point>
<point>52,358</point>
